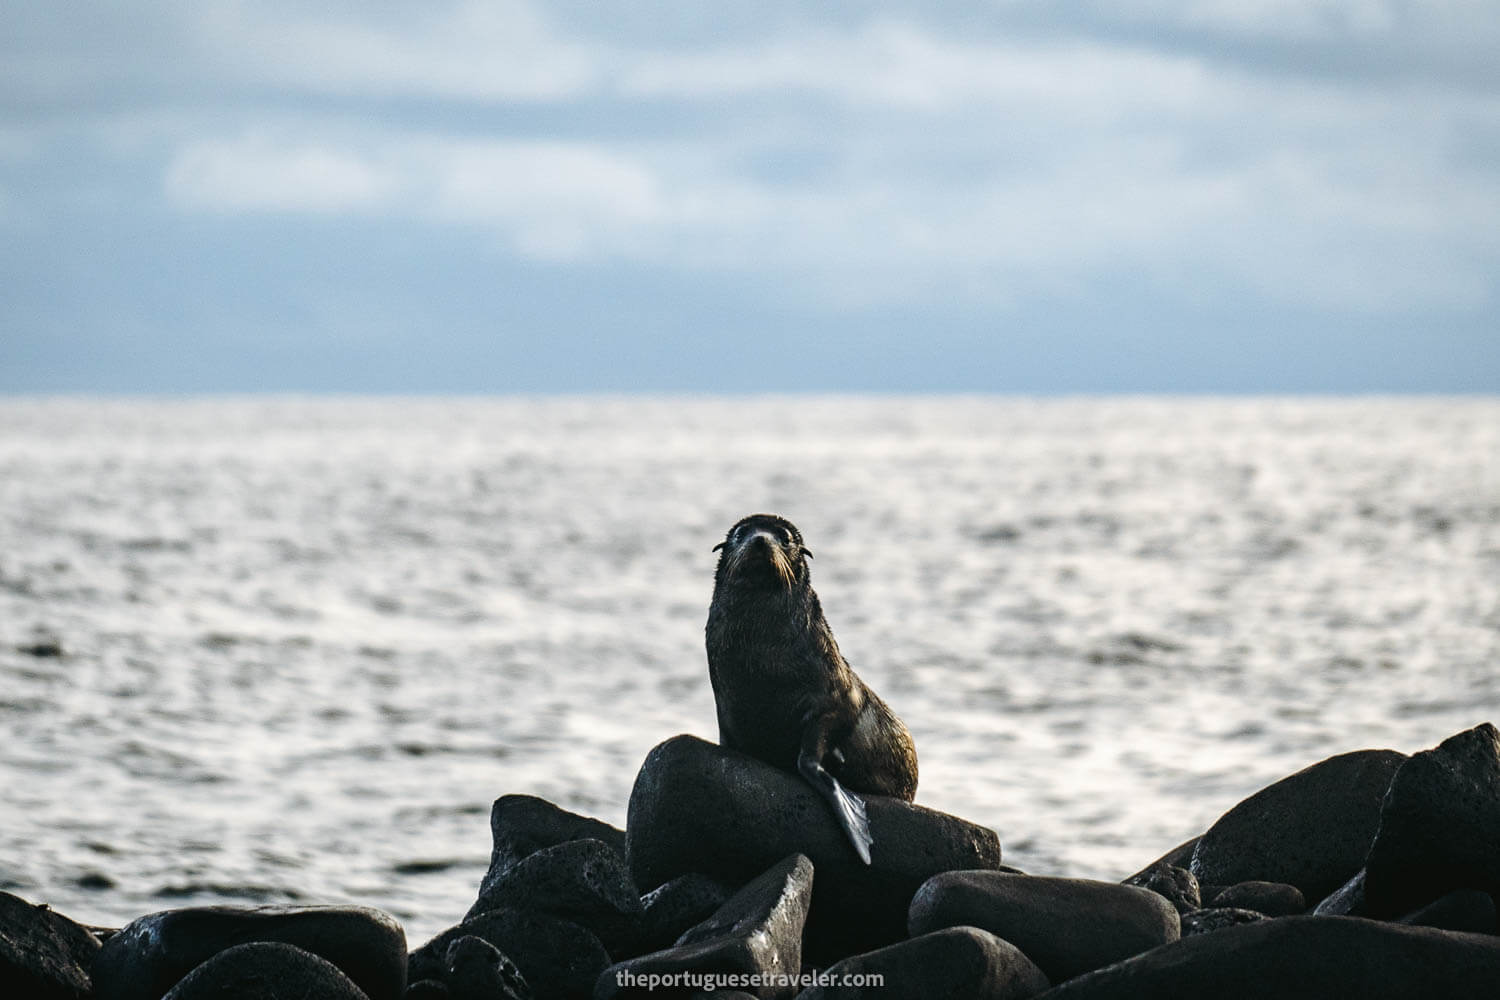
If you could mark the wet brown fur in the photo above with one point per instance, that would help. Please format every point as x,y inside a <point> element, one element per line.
<point>776,668</point>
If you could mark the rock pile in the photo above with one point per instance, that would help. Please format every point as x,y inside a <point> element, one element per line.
<point>1370,874</point>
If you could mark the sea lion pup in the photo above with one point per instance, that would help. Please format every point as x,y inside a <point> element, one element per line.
<point>783,691</point>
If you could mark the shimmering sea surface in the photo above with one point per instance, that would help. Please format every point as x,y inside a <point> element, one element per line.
<point>304,643</point>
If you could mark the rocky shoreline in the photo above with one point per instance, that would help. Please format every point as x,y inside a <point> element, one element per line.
<point>1368,874</point>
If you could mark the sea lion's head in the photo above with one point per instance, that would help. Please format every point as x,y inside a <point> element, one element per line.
<point>762,550</point>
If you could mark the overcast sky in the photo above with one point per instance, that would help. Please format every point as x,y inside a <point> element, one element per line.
<point>583,195</point>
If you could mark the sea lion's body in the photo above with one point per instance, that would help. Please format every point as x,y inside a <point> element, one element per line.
<point>784,692</point>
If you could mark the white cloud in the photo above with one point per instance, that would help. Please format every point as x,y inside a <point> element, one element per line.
<point>504,180</point>
<point>550,201</point>
<point>1297,226</point>
<point>1295,19</point>
<point>902,65</point>
<point>984,169</point>
<point>16,145</point>
<point>491,50</point>
<point>264,174</point>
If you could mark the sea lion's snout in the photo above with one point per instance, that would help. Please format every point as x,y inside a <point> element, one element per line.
<point>763,552</point>
<point>762,541</point>
<point>763,545</point>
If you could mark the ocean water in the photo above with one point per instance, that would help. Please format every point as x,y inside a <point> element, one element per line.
<point>305,643</point>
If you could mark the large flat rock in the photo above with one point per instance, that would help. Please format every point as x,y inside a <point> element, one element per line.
<point>146,957</point>
<point>1066,926</point>
<point>697,807</point>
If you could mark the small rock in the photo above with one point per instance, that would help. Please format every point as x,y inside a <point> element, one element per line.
<point>1439,826</point>
<point>697,807</point>
<point>43,954</point>
<point>671,908</point>
<point>757,932</point>
<point>521,825</point>
<point>1303,958</point>
<point>1176,885</point>
<point>1216,918</point>
<point>476,969</point>
<point>585,881</point>
<point>955,962</point>
<point>1311,829</point>
<point>42,649</point>
<point>1274,899</point>
<point>1066,926</point>
<point>1461,910</point>
<point>557,958</point>
<point>147,956</point>
<point>265,970</point>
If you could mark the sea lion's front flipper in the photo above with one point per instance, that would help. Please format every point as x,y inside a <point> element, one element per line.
<point>848,808</point>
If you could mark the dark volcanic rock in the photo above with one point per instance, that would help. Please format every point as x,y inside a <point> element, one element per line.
<point>955,962</point>
<point>558,958</point>
<point>476,970</point>
<point>1461,910</point>
<point>1176,885</point>
<point>42,954</point>
<point>1439,826</point>
<point>699,808</point>
<point>144,959</point>
<point>1311,829</point>
<point>521,825</point>
<point>757,932</point>
<point>1303,958</point>
<point>1066,926</point>
<point>265,970</point>
<point>1216,918</point>
<point>1274,899</point>
<point>671,908</point>
<point>585,881</point>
